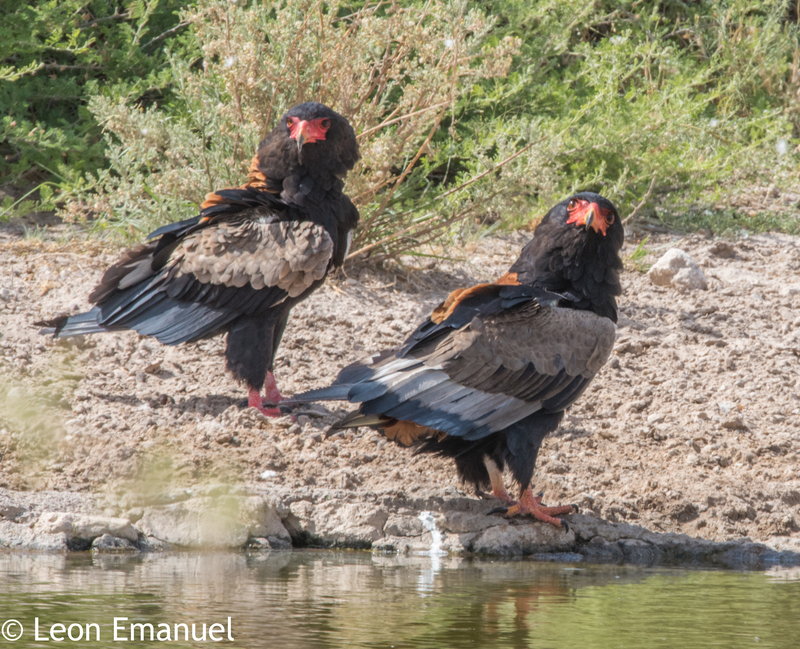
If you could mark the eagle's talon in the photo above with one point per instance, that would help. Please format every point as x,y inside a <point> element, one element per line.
<point>497,510</point>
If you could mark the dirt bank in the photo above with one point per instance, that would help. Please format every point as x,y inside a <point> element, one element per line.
<point>692,427</point>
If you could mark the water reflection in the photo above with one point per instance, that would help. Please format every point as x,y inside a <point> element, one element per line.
<point>355,599</point>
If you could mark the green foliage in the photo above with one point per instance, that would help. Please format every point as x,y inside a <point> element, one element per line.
<point>396,72</point>
<point>703,96</point>
<point>9,208</point>
<point>728,222</point>
<point>56,54</point>
<point>466,112</point>
<point>636,259</point>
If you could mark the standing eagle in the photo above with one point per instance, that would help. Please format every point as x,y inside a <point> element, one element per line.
<point>250,255</point>
<point>493,368</point>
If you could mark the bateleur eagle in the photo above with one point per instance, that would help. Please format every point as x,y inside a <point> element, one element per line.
<point>493,368</point>
<point>251,254</point>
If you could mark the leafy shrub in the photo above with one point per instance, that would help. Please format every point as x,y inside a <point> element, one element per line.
<point>394,71</point>
<point>461,117</point>
<point>704,97</point>
<point>53,56</point>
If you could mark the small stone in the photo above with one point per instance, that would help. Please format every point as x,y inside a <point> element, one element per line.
<point>790,290</point>
<point>84,527</point>
<point>283,422</point>
<point>723,249</point>
<point>726,406</point>
<point>108,543</point>
<point>20,536</point>
<point>259,543</point>
<point>679,270</point>
<point>223,437</point>
<point>734,423</point>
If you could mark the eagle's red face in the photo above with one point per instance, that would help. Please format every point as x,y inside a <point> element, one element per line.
<point>309,131</point>
<point>590,215</point>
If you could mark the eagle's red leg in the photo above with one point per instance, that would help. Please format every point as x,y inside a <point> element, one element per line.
<point>496,478</point>
<point>271,393</point>
<point>254,400</point>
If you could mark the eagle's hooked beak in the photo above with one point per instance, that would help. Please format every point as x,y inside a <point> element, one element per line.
<point>591,215</point>
<point>303,134</point>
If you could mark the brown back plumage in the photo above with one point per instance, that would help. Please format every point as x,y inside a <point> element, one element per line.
<point>251,254</point>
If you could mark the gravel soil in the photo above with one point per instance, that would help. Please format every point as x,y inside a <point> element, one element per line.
<point>693,426</point>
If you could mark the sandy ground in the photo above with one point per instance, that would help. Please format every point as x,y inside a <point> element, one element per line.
<point>693,425</point>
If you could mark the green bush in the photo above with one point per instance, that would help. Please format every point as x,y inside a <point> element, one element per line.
<point>54,56</point>
<point>396,72</point>
<point>703,97</point>
<point>466,112</point>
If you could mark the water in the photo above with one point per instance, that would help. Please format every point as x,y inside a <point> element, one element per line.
<point>305,599</point>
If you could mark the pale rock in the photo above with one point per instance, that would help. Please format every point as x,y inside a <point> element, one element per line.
<point>14,536</point>
<point>403,526</point>
<point>588,527</point>
<point>85,527</point>
<point>790,290</point>
<point>679,270</point>
<point>519,539</point>
<point>472,517</point>
<point>263,521</point>
<point>197,523</point>
<point>735,423</point>
<point>336,523</point>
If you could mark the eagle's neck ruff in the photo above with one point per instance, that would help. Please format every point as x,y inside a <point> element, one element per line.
<point>588,272</point>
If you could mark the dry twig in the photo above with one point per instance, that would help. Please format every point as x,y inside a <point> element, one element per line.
<point>641,204</point>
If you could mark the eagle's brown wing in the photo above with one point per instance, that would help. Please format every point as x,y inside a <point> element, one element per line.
<point>499,357</point>
<point>241,257</point>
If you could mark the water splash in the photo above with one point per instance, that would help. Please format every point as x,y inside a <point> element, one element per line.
<point>427,576</point>
<point>429,523</point>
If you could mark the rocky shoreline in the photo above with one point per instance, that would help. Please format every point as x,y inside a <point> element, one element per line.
<point>384,523</point>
